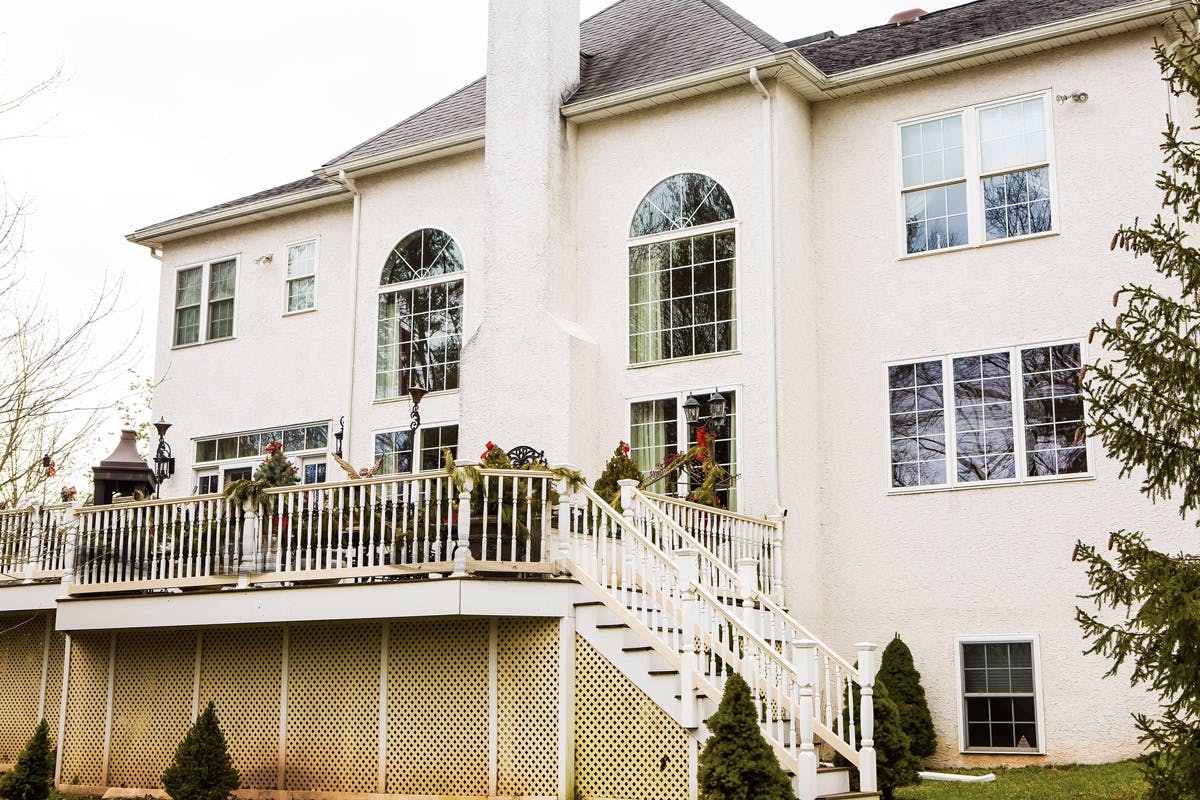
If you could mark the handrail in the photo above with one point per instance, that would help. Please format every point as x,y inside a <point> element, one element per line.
<point>678,501</point>
<point>692,542</point>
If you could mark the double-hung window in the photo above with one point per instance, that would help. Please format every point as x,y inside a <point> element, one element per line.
<point>998,678</point>
<point>1003,415</point>
<point>204,302</point>
<point>656,429</point>
<point>301,278</point>
<point>395,449</point>
<point>976,175</point>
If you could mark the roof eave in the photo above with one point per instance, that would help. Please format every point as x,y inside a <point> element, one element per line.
<point>460,142</point>
<point>155,235</point>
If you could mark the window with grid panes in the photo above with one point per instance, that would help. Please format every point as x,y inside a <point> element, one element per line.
<point>187,305</point>
<point>994,184</point>
<point>999,696</point>
<point>301,276</point>
<point>221,278</point>
<point>420,315</point>
<point>657,427</point>
<point>682,299</point>
<point>1018,414</point>
<point>433,441</point>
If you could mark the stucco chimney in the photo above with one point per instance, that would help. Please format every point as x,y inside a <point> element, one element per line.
<point>516,376</point>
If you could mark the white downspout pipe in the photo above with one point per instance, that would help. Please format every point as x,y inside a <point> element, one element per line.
<point>768,172</point>
<point>355,218</point>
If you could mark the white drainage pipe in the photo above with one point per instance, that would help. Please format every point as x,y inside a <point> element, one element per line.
<point>946,776</point>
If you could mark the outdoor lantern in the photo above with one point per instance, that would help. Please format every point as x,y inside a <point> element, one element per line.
<point>691,410</point>
<point>162,426</point>
<point>337,437</point>
<point>716,407</point>
<point>416,391</point>
<point>46,461</point>
<point>164,459</point>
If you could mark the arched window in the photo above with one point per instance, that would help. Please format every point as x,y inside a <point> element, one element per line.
<point>420,315</point>
<point>681,281</point>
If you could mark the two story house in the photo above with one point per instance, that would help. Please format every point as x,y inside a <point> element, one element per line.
<point>872,259</point>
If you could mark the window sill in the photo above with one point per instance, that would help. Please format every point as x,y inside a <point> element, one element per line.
<point>964,247</point>
<point>299,312</point>
<point>379,401</point>
<point>1001,751</point>
<point>962,487</point>
<point>201,344</point>
<point>683,360</point>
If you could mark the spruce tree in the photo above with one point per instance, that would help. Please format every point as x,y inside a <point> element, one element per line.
<point>737,763</point>
<point>1145,408</point>
<point>896,669</point>
<point>30,778</point>
<point>895,763</point>
<point>619,467</point>
<point>275,469</point>
<point>202,769</point>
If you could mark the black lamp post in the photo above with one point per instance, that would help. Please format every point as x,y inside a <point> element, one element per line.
<point>416,391</point>
<point>164,459</point>
<point>717,413</point>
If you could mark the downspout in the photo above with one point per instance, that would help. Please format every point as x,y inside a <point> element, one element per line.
<point>355,218</point>
<point>768,172</point>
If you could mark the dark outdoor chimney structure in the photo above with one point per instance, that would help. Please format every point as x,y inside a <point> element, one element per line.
<point>123,472</point>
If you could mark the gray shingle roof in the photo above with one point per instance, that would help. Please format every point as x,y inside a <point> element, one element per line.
<point>629,44</point>
<point>938,29</point>
<point>294,187</point>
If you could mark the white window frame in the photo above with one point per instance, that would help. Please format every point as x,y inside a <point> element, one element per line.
<point>682,434</point>
<point>306,461</point>
<point>973,175</point>
<point>952,483</point>
<point>298,457</point>
<point>418,440</point>
<point>205,271</point>
<point>210,472</point>
<point>315,241</point>
<point>1038,693</point>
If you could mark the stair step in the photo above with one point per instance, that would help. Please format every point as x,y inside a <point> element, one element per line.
<point>847,795</point>
<point>639,649</point>
<point>663,672</point>
<point>832,769</point>
<point>606,626</point>
<point>582,603</point>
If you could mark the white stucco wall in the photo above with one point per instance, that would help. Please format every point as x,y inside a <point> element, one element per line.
<point>942,564</point>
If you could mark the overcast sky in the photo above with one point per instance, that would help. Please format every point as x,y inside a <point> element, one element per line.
<point>165,108</point>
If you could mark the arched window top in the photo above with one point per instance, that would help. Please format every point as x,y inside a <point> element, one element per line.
<point>681,201</point>
<point>426,253</point>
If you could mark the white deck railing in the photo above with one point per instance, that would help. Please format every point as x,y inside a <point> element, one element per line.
<point>33,543</point>
<point>731,536</point>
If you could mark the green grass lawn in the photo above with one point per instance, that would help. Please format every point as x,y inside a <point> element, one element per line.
<point>1120,781</point>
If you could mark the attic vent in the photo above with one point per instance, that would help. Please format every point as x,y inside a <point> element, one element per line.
<point>905,17</point>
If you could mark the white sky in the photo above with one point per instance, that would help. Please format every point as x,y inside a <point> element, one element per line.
<point>166,108</point>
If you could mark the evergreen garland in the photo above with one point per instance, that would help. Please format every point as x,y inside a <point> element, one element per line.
<point>202,769</point>
<point>619,467</point>
<point>737,763</point>
<point>30,778</point>
<point>897,671</point>
<point>1145,407</point>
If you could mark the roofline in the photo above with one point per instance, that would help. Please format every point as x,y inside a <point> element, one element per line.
<point>804,75</point>
<point>154,235</point>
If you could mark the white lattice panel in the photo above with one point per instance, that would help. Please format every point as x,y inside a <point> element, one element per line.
<point>87,694</point>
<point>527,707</point>
<point>152,704</point>
<point>437,741</point>
<point>625,745</point>
<point>240,672</point>
<point>333,707</point>
<point>54,670</point>
<point>22,643</point>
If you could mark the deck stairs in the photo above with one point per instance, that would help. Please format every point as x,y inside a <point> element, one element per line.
<point>646,583</point>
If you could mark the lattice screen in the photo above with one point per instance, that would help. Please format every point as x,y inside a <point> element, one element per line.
<point>152,704</point>
<point>54,682</point>
<point>527,705</point>
<point>333,707</point>
<point>437,740</point>
<point>240,672</point>
<point>22,643</point>
<point>625,745</point>
<point>87,694</point>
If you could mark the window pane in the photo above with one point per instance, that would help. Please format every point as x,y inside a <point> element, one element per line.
<point>1017,203</point>
<point>302,260</point>
<point>681,201</point>
<point>433,441</point>
<point>918,427</point>
<point>221,280</point>
<point>220,319</point>
<point>1053,401</point>
<point>187,325</point>
<point>314,473</point>
<point>187,287</point>
<point>932,151</point>
<point>419,337</point>
<point>999,709</point>
<point>206,450</point>
<point>301,294</point>
<point>293,440</point>
<point>394,451</point>
<point>983,420</point>
<point>316,437</point>
<point>1012,135</point>
<point>935,218</point>
<point>425,253</point>
<point>653,435</point>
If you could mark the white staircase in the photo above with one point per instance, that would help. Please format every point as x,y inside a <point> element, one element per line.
<point>675,619</point>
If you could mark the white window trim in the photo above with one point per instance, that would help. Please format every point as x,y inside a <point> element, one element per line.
<point>381,289</point>
<point>1038,693</point>
<point>205,267</point>
<point>315,241</point>
<point>223,462</point>
<point>417,441</point>
<point>207,472</point>
<point>952,484</point>
<point>735,225</point>
<point>681,424</point>
<point>973,176</point>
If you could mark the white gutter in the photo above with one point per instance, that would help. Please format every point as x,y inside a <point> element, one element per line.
<point>768,188</point>
<point>355,220</point>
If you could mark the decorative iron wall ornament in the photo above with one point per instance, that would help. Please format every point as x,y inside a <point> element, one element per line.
<point>523,455</point>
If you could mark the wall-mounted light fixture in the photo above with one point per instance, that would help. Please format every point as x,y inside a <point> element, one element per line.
<point>262,261</point>
<point>337,437</point>
<point>1078,97</point>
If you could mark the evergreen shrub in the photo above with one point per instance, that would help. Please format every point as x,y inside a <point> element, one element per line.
<point>202,768</point>
<point>30,778</point>
<point>737,763</point>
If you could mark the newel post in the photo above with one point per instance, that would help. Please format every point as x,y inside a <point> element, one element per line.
<point>251,522</point>
<point>558,550</point>
<point>689,572</point>
<point>804,656</point>
<point>747,573</point>
<point>70,525</point>
<point>627,486</point>
<point>462,549</point>
<point>866,753</point>
<point>775,569</point>
<point>35,542</point>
